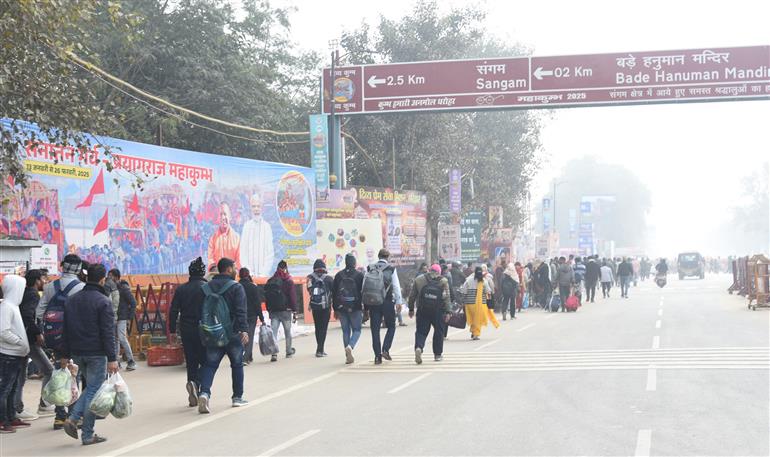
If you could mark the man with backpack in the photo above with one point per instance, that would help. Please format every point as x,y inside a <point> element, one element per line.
<point>187,304</point>
<point>281,299</point>
<point>223,330</point>
<point>346,293</point>
<point>50,311</point>
<point>509,290</point>
<point>89,340</point>
<point>380,294</point>
<point>319,286</point>
<point>430,295</point>
<point>254,300</point>
<point>126,310</point>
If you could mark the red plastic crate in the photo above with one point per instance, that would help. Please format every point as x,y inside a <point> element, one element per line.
<point>164,356</point>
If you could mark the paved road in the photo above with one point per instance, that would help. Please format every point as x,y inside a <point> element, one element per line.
<point>683,370</point>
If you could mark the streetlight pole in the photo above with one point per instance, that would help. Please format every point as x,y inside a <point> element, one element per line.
<point>333,163</point>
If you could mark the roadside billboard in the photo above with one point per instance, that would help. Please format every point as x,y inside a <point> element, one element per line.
<point>189,204</point>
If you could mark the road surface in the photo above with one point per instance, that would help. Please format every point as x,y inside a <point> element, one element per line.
<point>682,370</point>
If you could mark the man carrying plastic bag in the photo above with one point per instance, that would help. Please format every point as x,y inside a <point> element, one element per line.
<point>112,397</point>
<point>89,339</point>
<point>267,343</point>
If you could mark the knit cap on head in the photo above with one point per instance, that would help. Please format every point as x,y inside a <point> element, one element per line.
<point>197,268</point>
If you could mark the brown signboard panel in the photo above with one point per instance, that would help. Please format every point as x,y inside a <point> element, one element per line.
<point>710,74</point>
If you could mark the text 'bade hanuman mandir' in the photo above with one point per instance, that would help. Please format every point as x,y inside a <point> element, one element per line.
<point>730,73</point>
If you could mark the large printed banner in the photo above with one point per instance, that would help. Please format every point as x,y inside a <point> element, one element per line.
<point>189,204</point>
<point>402,214</point>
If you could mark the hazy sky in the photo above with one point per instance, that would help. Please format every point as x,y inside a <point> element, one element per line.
<point>690,155</point>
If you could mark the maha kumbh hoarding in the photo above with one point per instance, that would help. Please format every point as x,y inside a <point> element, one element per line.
<point>190,204</point>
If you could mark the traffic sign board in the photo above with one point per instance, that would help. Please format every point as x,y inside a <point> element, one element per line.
<point>711,74</point>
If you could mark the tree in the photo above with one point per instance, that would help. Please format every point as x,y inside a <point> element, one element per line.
<point>750,219</point>
<point>498,149</point>
<point>38,83</point>
<point>624,221</point>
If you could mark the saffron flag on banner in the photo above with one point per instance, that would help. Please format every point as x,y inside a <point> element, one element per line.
<point>103,224</point>
<point>96,189</point>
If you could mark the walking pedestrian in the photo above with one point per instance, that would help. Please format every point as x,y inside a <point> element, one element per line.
<point>523,290</point>
<point>625,272</point>
<point>593,271</point>
<point>381,292</point>
<point>125,313</point>
<point>346,295</point>
<point>430,297</point>
<point>565,279</point>
<point>476,291</point>
<point>27,308</point>
<point>254,300</point>
<point>55,295</point>
<point>509,290</point>
<point>319,286</point>
<point>606,278</point>
<point>580,273</point>
<point>14,348</point>
<point>542,285</point>
<point>224,287</point>
<point>89,341</point>
<point>281,299</point>
<point>186,305</point>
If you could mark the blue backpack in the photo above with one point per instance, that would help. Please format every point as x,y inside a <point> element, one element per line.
<point>215,327</point>
<point>53,319</point>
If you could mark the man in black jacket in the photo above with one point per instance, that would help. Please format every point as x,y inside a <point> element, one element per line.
<point>625,272</point>
<point>593,272</point>
<point>254,300</point>
<point>186,306</point>
<point>235,297</point>
<point>89,339</point>
<point>346,300</point>
<point>27,308</point>
<point>126,309</point>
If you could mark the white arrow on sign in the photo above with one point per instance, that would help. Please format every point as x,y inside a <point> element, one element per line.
<point>373,81</point>
<point>539,73</point>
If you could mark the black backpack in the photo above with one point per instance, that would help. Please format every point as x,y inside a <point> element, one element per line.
<point>509,287</point>
<point>348,294</point>
<point>274,296</point>
<point>432,295</point>
<point>127,297</point>
<point>53,319</point>
<point>319,296</point>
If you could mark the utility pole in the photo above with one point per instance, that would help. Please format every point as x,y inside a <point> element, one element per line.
<point>393,160</point>
<point>332,155</point>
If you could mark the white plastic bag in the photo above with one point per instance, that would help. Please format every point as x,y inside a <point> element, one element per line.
<point>123,402</point>
<point>104,399</point>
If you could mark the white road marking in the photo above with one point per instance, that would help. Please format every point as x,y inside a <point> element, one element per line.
<point>657,323</point>
<point>643,442</point>
<point>290,443</point>
<point>652,379</point>
<point>213,417</point>
<point>486,345</point>
<point>409,383</point>
<point>656,342</point>
<point>660,312</point>
<point>525,327</point>
<point>550,315</point>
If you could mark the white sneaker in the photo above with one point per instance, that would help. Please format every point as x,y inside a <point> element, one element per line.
<point>27,416</point>
<point>203,404</point>
<point>46,411</point>
<point>349,355</point>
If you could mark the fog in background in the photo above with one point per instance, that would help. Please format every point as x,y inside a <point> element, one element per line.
<point>693,157</point>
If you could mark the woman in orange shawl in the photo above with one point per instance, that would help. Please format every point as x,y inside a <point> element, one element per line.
<point>476,292</point>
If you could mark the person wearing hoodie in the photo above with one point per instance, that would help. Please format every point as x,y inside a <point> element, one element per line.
<point>68,284</point>
<point>89,340</point>
<point>14,348</point>
<point>346,299</point>
<point>319,286</point>
<point>430,296</point>
<point>281,299</point>
<point>254,300</point>
<point>124,313</point>
<point>28,307</point>
<point>186,306</point>
<point>564,278</point>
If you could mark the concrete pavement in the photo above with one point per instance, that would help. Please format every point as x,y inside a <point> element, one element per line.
<point>683,370</point>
